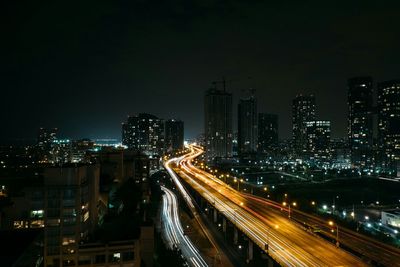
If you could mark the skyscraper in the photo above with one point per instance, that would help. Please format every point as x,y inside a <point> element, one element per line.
<point>303,110</point>
<point>360,126</point>
<point>318,139</point>
<point>144,132</point>
<point>174,131</point>
<point>267,132</point>
<point>218,123</point>
<point>247,125</point>
<point>45,144</point>
<point>389,125</point>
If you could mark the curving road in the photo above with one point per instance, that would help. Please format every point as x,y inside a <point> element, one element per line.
<point>282,239</point>
<point>173,230</point>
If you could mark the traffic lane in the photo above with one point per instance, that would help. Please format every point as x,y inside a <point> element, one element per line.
<point>240,199</point>
<point>175,230</point>
<point>370,248</point>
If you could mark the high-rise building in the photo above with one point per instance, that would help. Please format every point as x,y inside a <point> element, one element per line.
<point>218,123</point>
<point>389,125</point>
<point>247,125</point>
<point>45,144</point>
<point>46,136</point>
<point>303,110</point>
<point>70,211</point>
<point>144,132</point>
<point>174,132</point>
<point>267,132</point>
<point>318,139</point>
<point>360,121</point>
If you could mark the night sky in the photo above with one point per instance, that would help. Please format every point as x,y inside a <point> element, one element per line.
<point>84,66</point>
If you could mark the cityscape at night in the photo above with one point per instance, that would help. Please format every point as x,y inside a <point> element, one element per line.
<point>200,133</point>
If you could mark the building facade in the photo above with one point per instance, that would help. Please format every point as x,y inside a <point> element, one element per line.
<point>174,134</point>
<point>360,121</point>
<point>144,132</point>
<point>218,123</point>
<point>267,132</point>
<point>389,125</point>
<point>70,211</point>
<point>247,125</point>
<point>303,110</point>
<point>45,145</point>
<point>318,140</point>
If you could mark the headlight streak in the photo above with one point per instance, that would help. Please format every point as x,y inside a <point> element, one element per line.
<point>227,200</point>
<point>175,232</point>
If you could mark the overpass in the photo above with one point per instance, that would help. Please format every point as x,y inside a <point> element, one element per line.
<point>271,231</point>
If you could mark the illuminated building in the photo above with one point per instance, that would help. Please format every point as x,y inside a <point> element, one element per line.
<point>303,110</point>
<point>391,218</point>
<point>144,132</point>
<point>70,213</point>
<point>174,131</point>
<point>247,125</point>
<point>267,132</point>
<point>360,126</point>
<point>45,144</point>
<point>318,140</point>
<point>389,125</point>
<point>218,123</point>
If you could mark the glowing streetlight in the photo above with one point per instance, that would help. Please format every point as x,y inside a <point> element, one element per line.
<point>331,223</point>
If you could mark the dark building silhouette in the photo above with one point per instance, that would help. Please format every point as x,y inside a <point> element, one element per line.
<point>360,121</point>
<point>303,110</point>
<point>389,125</point>
<point>70,211</point>
<point>247,125</point>
<point>218,123</point>
<point>267,132</point>
<point>174,134</point>
<point>144,132</point>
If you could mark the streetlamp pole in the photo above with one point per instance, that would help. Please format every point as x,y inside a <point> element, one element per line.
<point>337,232</point>
<point>337,235</point>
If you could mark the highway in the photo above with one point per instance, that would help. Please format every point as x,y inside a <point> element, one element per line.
<point>366,246</point>
<point>173,231</point>
<point>282,239</point>
<point>220,259</point>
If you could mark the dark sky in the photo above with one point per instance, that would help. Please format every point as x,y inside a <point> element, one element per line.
<point>84,66</point>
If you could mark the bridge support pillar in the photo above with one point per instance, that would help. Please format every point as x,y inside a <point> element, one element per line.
<point>250,251</point>
<point>224,225</point>
<point>235,235</point>
<point>215,215</point>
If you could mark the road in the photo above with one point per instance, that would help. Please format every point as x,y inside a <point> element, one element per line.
<point>370,248</point>
<point>219,258</point>
<point>173,231</point>
<point>288,243</point>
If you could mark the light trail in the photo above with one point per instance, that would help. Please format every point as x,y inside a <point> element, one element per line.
<point>174,231</point>
<point>288,244</point>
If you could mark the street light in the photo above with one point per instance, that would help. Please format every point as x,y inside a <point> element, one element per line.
<point>238,181</point>
<point>284,203</point>
<point>331,223</point>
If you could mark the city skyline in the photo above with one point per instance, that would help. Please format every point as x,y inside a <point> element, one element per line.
<point>200,133</point>
<point>70,80</point>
